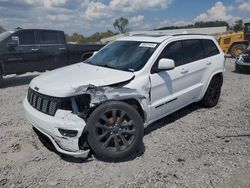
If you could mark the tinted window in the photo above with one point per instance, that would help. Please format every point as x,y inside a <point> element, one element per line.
<point>173,51</point>
<point>192,50</point>
<point>49,37</point>
<point>26,38</point>
<point>210,48</point>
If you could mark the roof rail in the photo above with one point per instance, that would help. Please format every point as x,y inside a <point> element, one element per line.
<point>180,34</point>
<point>161,33</point>
<point>151,33</point>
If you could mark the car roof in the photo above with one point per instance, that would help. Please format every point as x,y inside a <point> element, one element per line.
<point>36,30</point>
<point>160,37</point>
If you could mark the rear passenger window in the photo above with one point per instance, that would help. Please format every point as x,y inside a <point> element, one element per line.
<point>192,50</point>
<point>27,38</point>
<point>210,48</point>
<point>49,37</point>
<point>173,51</point>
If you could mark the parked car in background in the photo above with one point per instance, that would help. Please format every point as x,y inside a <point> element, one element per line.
<point>108,100</point>
<point>242,62</point>
<point>28,50</point>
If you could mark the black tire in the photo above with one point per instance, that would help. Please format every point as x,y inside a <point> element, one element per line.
<point>236,49</point>
<point>237,68</point>
<point>114,131</point>
<point>1,79</point>
<point>213,92</point>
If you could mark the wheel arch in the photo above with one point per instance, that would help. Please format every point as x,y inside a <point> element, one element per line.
<point>219,74</point>
<point>1,68</point>
<point>137,105</point>
<point>84,54</point>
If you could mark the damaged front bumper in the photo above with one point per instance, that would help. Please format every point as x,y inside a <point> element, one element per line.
<point>64,129</point>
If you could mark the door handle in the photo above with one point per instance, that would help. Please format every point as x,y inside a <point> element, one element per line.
<point>209,63</point>
<point>184,70</point>
<point>62,48</point>
<point>34,49</point>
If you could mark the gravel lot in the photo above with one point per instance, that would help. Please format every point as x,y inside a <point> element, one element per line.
<point>194,147</point>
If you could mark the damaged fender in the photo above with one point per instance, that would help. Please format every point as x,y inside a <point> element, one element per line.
<point>118,92</point>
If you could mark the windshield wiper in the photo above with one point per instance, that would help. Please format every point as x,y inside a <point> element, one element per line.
<point>105,65</point>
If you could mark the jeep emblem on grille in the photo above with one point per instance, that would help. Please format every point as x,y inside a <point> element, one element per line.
<point>36,88</point>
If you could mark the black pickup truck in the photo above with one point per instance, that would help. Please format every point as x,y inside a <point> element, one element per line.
<point>29,50</point>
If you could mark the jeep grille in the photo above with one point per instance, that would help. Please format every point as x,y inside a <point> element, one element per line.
<point>43,103</point>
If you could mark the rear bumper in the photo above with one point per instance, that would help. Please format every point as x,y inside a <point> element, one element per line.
<point>50,125</point>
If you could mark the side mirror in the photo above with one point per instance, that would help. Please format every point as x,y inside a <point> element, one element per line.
<point>95,52</point>
<point>166,64</point>
<point>13,42</point>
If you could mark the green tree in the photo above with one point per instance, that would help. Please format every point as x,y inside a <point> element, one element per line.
<point>76,38</point>
<point>121,24</point>
<point>96,37</point>
<point>1,29</point>
<point>239,26</point>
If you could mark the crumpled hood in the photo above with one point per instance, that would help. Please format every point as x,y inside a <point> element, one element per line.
<point>70,80</point>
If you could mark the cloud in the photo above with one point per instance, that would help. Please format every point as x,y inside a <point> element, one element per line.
<point>137,20</point>
<point>59,18</point>
<point>173,22</point>
<point>218,12</point>
<point>135,5</point>
<point>244,5</point>
<point>95,10</point>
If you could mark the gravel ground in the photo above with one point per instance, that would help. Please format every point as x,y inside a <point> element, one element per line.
<point>194,147</point>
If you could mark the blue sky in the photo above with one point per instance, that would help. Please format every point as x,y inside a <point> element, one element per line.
<point>89,16</point>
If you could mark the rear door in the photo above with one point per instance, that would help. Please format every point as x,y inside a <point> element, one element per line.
<point>174,89</point>
<point>53,49</point>
<point>25,57</point>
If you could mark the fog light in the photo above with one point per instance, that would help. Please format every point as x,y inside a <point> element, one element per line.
<point>68,133</point>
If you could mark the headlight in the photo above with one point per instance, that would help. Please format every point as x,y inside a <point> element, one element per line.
<point>76,103</point>
<point>83,101</point>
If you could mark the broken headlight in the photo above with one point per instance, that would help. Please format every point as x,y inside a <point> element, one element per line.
<point>83,102</point>
<point>77,103</point>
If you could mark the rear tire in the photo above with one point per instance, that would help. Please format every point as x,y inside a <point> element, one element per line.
<point>236,49</point>
<point>114,131</point>
<point>213,92</point>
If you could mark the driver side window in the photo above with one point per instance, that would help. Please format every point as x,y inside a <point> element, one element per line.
<point>27,38</point>
<point>171,51</point>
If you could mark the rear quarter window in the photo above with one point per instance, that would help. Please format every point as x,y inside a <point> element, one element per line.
<point>210,48</point>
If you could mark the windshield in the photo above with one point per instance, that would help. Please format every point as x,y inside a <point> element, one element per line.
<point>4,35</point>
<point>124,55</point>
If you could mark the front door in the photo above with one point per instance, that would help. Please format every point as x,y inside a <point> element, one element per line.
<point>174,89</point>
<point>25,57</point>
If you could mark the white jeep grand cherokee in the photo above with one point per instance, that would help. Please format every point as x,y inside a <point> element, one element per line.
<point>104,103</point>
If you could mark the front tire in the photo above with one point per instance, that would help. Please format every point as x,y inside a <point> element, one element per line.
<point>114,131</point>
<point>237,68</point>
<point>213,92</point>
